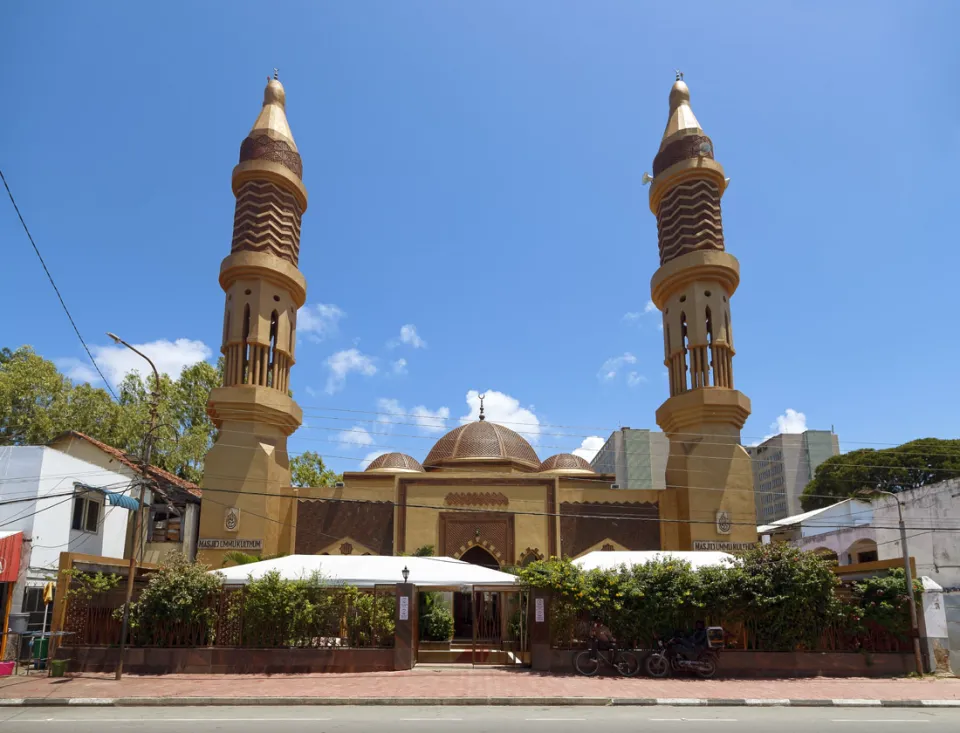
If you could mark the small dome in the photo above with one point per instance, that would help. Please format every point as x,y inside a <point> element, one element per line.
<point>566,463</point>
<point>394,463</point>
<point>483,441</point>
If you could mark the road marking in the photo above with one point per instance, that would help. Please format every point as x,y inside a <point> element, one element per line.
<point>548,720</point>
<point>431,720</point>
<point>693,720</point>
<point>891,720</point>
<point>856,702</point>
<point>941,703</point>
<point>765,701</point>
<point>173,720</point>
<point>681,701</point>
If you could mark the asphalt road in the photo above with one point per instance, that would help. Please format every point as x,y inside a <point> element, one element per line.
<point>320,719</point>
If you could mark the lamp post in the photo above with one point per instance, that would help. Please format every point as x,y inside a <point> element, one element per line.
<point>405,573</point>
<point>914,629</point>
<point>138,520</point>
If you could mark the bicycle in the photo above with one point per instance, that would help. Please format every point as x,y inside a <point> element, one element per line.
<point>588,664</point>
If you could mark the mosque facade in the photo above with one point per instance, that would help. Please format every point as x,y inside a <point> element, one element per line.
<point>482,493</point>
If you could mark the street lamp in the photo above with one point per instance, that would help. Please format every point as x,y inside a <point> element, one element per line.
<point>138,522</point>
<point>906,567</point>
<point>405,573</point>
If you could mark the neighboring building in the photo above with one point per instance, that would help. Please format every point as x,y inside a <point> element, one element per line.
<point>783,465</point>
<point>482,493</point>
<point>859,531</point>
<point>638,458</point>
<point>79,495</point>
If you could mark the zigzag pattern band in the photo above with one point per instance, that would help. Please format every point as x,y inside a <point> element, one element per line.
<point>267,219</point>
<point>689,219</point>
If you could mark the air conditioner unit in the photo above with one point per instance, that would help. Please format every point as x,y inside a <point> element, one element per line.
<point>614,486</point>
<point>338,485</point>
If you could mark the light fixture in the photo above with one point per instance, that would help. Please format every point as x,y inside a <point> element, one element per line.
<point>406,573</point>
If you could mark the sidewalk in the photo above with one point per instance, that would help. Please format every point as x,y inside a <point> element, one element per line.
<point>447,686</point>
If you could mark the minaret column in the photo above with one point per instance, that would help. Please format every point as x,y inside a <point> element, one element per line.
<point>248,503</point>
<point>709,480</point>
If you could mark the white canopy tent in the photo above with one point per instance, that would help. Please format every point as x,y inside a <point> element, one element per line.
<point>369,571</point>
<point>603,560</point>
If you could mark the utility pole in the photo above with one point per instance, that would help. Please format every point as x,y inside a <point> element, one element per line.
<point>143,482</point>
<point>914,627</point>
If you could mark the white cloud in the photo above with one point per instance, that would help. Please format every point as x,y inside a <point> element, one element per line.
<point>367,459</point>
<point>344,362</point>
<point>355,437</point>
<point>612,366</point>
<point>408,336</point>
<point>117,361</point>
<point>319,321</point>
<point>632,316</point>
<point>790,421</point>
<point>400,366</point>
<point>428,421</point>
<point>311,391</point>
<point>506,410</point>
<point>635,378</point>
<point>650,307</point>
<point>589,447</point>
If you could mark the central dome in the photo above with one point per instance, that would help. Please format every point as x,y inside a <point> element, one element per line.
<point>482,441</point>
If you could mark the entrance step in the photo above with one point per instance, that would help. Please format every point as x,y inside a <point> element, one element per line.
<point>464,656</point>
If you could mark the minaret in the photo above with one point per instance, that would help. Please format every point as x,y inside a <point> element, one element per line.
<point>709,480</point>
<point>247,500</point>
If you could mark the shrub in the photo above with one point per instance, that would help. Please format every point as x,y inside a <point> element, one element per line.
<point>177,608</point>
<point>437,624</point>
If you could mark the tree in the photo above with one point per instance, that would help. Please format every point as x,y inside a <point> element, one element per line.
<point>37,403</point>
<point>308,469</point>
<point>908,466</point>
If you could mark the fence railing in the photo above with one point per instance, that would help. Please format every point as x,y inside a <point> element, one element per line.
<point>331,619</point>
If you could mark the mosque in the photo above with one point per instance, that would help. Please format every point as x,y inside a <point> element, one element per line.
<point>482,494</point>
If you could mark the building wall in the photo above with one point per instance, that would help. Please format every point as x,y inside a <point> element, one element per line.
<point>637,457</point>
<point>783,465</point>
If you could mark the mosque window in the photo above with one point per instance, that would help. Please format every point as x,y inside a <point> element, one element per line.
<point>274,323</point>
<point>246,347</point>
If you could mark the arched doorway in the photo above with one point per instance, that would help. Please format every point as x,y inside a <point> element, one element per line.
<point>481,556</point>
<point>464,613</point>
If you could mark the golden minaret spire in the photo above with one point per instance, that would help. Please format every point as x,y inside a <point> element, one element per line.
<point>708,471</point>
<point>247,500</point>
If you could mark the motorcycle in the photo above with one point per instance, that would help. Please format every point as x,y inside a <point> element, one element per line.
<point>677,656</point>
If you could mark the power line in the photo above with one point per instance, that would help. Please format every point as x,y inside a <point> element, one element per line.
<point>55,288</point>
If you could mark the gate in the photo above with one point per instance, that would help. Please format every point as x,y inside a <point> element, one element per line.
<point>501,623</point>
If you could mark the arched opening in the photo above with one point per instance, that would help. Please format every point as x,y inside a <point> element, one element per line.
<point>245,368</point>
<point>685,340</point>
<point>710,379</point>
<point>864,550</point>
<point>272,367</point>
<point>482,607</point>
<point>827,554</point>
<point>478,555</point>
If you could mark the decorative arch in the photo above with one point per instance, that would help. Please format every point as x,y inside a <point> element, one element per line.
<point>530,555</point>
<point>827,554</point>
<point>480,555</point>
<point>863,550</point>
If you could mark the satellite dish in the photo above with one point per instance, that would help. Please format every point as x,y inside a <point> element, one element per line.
<point>647,178</point>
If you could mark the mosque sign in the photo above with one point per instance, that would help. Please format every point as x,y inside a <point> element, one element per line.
<point>712,546</point>
<point>229,544</point>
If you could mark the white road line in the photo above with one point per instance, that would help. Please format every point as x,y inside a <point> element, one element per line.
<point>941,703</point>
<point>681,701</point>
<point>857,702</point>
<point>765,701</point>
<point>174,720</point>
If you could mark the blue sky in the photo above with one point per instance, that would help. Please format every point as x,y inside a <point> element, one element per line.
<point>474,172</point>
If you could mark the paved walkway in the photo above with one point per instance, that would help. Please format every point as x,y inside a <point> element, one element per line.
<point>453,683</point>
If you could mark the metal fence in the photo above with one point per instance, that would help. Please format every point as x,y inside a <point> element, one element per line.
<point>333,617</point>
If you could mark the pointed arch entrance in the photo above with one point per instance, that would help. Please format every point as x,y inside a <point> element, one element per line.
<point>479,555</point>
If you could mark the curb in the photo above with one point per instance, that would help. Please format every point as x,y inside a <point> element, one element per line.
<point>26,702</point>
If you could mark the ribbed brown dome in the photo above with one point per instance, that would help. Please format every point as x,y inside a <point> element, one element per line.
<point>394,462</point>
<point>566,462</point>
<point>482,440</point>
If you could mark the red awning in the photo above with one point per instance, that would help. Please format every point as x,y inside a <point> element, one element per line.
<point>10,547</point>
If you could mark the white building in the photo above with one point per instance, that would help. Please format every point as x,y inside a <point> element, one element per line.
<point>637,457</point>
<point>783,465</point>
<point>855,531</point>
<point>78,495</point>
